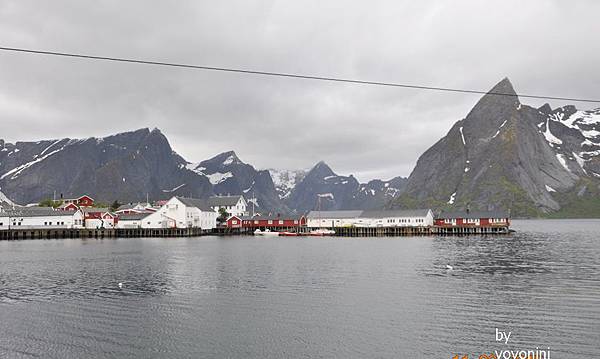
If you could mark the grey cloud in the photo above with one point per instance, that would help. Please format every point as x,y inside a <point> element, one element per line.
<point>545,47</point>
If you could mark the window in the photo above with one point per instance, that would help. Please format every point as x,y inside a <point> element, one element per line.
<point>255,222</point>
<point>280,221</point>
<point>45,223</point>
<point>270,221</point>
<point>295,222</point>
<point>234,222</point>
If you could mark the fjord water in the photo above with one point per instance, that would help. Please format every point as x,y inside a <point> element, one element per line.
<point>245,297</point>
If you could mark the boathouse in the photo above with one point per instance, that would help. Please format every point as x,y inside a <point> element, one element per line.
<point>473,219</point>
<point>42,217</point>
<point>396,218</point>
<point>266,222</point>
<point>331,219</point>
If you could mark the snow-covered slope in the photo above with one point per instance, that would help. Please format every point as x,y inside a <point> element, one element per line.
<point>286,180</point>
<point>574,135</point>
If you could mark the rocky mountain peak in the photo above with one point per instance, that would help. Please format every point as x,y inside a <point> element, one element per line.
<point>321,169</point>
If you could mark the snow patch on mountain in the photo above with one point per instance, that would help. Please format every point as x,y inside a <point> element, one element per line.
<point>218,177</point>
<point>285,180</point>
<point>173,189</point>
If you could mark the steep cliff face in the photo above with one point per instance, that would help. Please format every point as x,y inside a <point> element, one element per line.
<point>230,175</point>
<point>502,155</point>
<point>125,166</point>
<point>322,188</point>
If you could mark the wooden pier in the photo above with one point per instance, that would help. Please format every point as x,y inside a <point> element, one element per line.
<point>418,231</point>
<point>17,234</point>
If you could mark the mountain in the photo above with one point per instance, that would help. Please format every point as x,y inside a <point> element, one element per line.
<point>322,188</point>
<point>126,166</point>
<point>505,154</point>
<point>286,180</point>
<point>229,175</point>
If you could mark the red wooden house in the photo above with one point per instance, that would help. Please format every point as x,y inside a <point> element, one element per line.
<point>473,219</point>
<point>271,222</point>
<point>83,201</point>
<point>68,207</point>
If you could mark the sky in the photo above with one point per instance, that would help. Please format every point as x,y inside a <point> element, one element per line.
<point>544,47</point>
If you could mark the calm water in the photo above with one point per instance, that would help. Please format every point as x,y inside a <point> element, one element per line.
<point>250,297</point>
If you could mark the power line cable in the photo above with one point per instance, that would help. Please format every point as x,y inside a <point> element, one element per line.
<point>288,75</point>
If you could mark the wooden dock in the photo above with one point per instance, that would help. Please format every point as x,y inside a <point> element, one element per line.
<point>17,234</point>
<point>417,231</point>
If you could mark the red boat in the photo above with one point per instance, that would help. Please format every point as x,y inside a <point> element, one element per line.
<point>289,234</point>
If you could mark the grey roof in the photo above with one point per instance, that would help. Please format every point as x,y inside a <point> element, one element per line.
<point>272,217</point>
<point>223,201</point>
<point>201,204</point>
<point>134,216</point>
<point>334,214</point>
<point>132,205</point>
<point>94,209</point>
<point>396,213</point>
<point>38,212</point>
<point>474,214</point>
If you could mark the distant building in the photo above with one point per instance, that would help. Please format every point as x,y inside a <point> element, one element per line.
<point>330,219</point>
<point>98,218</point>
<point>41,218</point>
<point>473,219</point>
<point>135,208</point>
<point>396,218</point>
<point>359,218</point>
<point>262,222</point>
<point>234,205</point>
<point>83,201</point>
<point>68,207</point>
<point>180,212</point>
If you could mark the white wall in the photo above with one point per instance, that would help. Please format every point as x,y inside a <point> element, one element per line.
<point>172,214</point>
<point>373,222</point>
<point>66,220</point>
<point>330,222</point>
<point>202,219</point>
<point>175,214</point>
<point>3,222</point>
<point>136,223</point>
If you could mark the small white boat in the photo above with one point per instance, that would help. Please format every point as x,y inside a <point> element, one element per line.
<point>266,232</point>
<point>321,232</point>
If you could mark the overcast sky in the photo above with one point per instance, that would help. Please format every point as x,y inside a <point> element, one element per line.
<point>544,47</point>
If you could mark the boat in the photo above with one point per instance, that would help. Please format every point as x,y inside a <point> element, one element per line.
<point>321,232</point>
<point>266,232</point>
<point>289,234</point>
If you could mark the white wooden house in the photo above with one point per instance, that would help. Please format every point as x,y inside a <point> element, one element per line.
<point>234,205</point>
<point>330,219</point>
<point>359,218</point>
<point>181,212</point>
<point>41,217</point>
<point>396,218</point>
